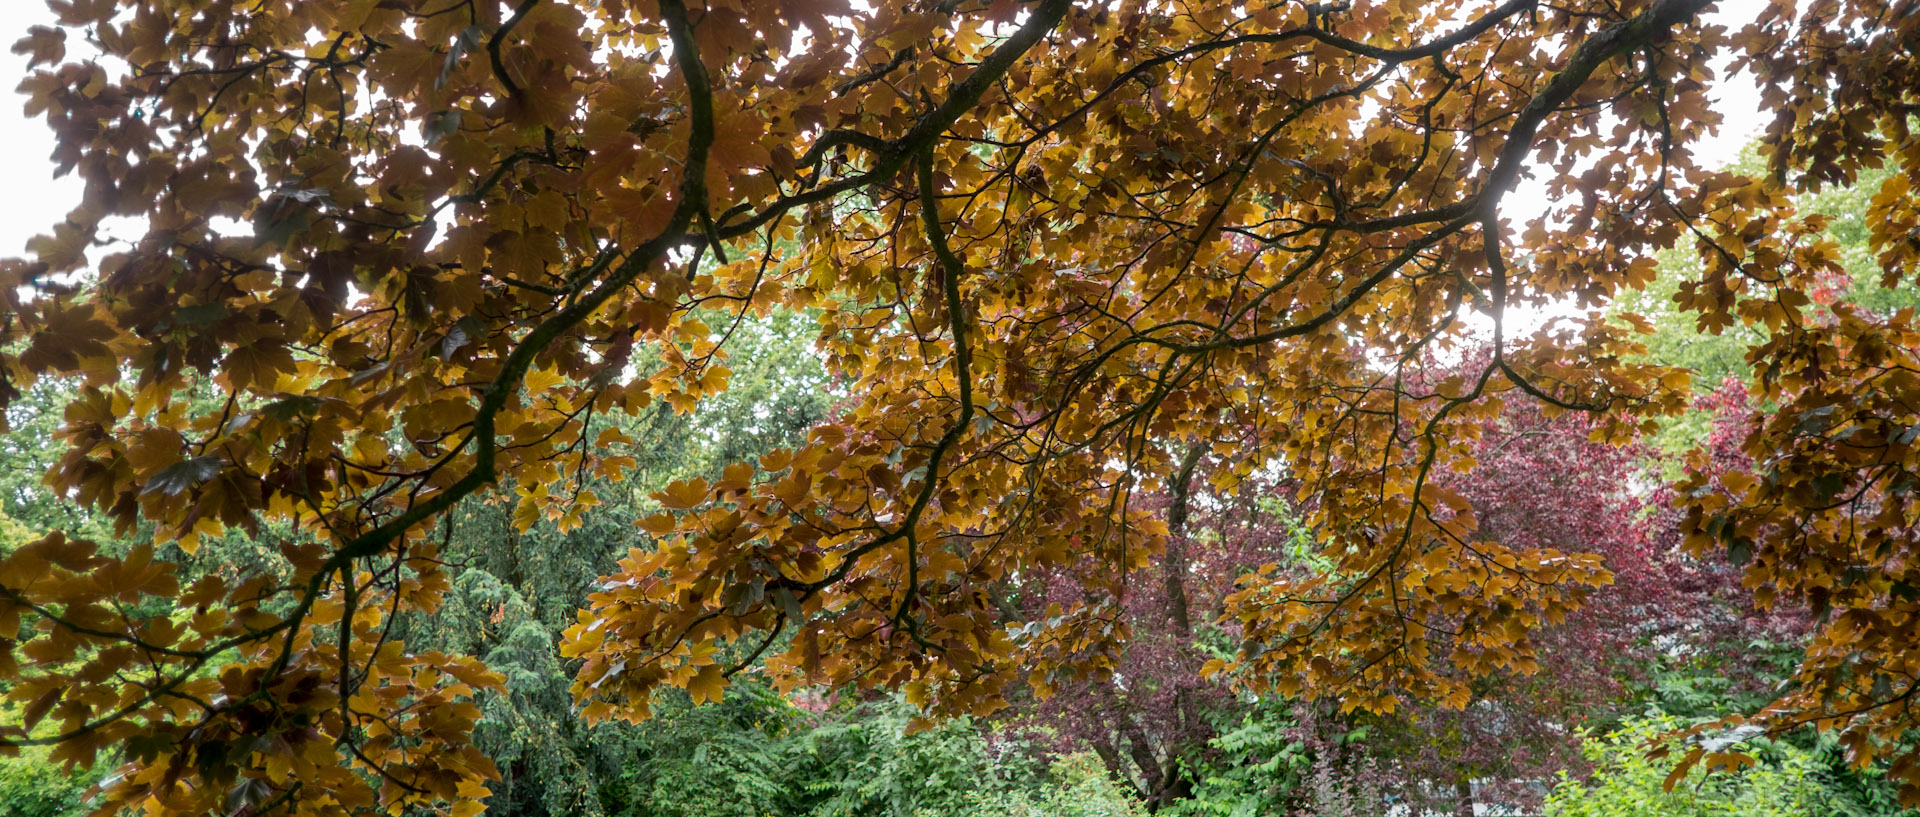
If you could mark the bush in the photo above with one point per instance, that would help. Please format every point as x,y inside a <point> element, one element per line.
<point>756,753</point>
<point>1076,785</point>
<point>1787,780</point>
<point>32,786</point>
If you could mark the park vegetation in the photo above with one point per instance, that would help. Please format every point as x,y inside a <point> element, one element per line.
<point>796,407</point>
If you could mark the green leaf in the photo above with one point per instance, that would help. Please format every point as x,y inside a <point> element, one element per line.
<point>1740,551</point>
<point>180,477</point>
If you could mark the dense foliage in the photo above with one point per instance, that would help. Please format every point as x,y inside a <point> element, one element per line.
<point>681,406</point>
<point>1784,779</point>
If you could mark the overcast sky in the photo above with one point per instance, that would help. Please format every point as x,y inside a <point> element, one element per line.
<point>32,200</point>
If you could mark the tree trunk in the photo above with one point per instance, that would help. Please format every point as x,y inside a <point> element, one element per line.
<point>1176,784</point>
<point>1116,766</point>
<point>1175,578</point>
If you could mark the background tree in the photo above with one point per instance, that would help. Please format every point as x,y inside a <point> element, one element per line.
<point>523,579</point>
<point>1537,481</point>
<point>1151,716</point>
<point>1541,482</point>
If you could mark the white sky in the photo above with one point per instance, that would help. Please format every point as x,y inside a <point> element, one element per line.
<point>31,200</point>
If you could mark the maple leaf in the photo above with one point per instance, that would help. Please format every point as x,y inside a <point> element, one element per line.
<point>256,366</point>
<point>182,476</point>
<point>683,494</point>
<point>707,684</point>
<point>42,44</point>
<point>68,334</point>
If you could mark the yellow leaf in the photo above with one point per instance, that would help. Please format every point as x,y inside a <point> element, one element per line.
<point>706,685</point>
<point>736,477</point>
<point>659,524</point>
<point>683,494</point>
<point>540,380</point>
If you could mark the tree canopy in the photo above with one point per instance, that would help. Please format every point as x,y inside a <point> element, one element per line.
<point>344,267</point>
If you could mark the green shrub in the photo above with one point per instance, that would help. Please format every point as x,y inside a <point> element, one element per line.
<point>32,786</point>
<point>1076,785</point>
<point>754,753</point>
<point>1787,780</point>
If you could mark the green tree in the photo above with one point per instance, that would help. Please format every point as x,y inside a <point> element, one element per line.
<point>1677,338</point>
<point>524,578</point>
